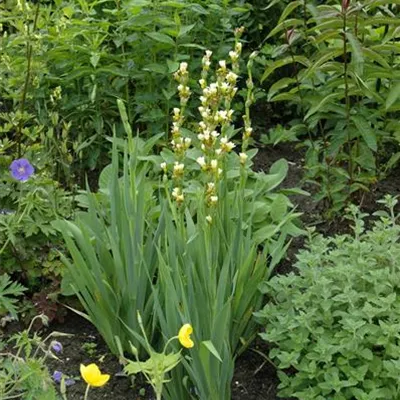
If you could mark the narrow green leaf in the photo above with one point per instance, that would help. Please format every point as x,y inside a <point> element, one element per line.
<point>285,61</point>
<point>289,9</point>
<point>210,347</point>
<point>393,95</point>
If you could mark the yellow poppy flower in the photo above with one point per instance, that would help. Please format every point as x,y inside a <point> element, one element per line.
<point>184,336</point>
<point>92,375</point>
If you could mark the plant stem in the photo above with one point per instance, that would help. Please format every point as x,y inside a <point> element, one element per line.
<point>29,50</point>
<point>347,98</point>
<point>86,392</point>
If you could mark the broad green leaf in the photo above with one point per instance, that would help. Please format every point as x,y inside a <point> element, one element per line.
<point>161,37</point>
<point>323,102</point>
<point>357,58</point>
<point>366,131</point>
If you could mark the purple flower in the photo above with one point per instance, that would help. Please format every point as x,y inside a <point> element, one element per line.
<point>57,346</point>
<point>57,375</point>
<point>21,169</point>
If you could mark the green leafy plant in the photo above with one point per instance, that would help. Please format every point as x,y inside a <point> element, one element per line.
<point>333,324</point>
<point>8,291</point>
<point>119,50</point>
<point>28,241</point>
<point>336,66</point>
<point>23,373</point>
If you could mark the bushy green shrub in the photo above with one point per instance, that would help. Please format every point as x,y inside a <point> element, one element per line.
<point>334,322</point>
<point>91,53</point>
<point>336,67</point>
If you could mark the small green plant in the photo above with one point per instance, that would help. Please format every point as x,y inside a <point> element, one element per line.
<point>158,365</point>
<point>89,348</point>
<point>23,373</point>
<point>334,324</point>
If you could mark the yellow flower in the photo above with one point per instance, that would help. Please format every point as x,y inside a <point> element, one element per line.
<point>184,336</point>
<point>92,375</point>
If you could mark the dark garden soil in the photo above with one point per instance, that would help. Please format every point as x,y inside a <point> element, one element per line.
<point>255,378</point>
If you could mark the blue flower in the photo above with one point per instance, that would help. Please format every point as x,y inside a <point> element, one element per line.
<point>21,169</point>
<point>57,347</point>
<point>57,375</point>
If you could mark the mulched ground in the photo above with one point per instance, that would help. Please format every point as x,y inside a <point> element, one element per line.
<point>255,379</point>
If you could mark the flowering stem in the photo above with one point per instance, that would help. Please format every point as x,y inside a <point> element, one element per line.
<point>86,392</point>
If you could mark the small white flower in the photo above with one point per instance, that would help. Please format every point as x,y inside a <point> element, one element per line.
<point>183,67</point>
<point>243,158</point>
<point>214,164</point>
<point>218,152</point>
<point>231,77</point>
<point>209,219</point>
<point>178,195</point>
<point>177,111</point>
<point>224,140</point>
<point>188,142</point>
<point>178,168</point>
<point>163,166</point>
<point>210,186</point>
<point>225,87</point>
<point>214,199</point>
<point>238,47</point>
<point>208,53</point>
<point>222,64</point>
<point>201,161</point>
<point>248,131</point>
<point>214,134</point>
<point>234,56</point>
<point>202,83</point>
<point>200,136</point>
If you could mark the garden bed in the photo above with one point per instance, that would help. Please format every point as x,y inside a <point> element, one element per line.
<point>255,378</point>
